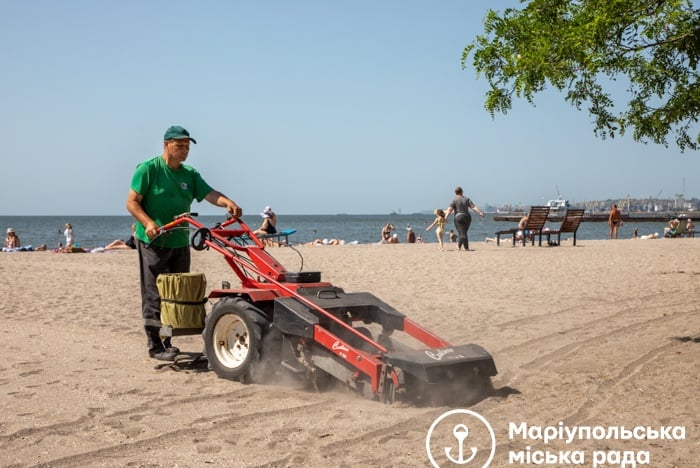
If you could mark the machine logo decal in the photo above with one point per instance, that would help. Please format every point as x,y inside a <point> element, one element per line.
<point>338,346</point>
<point>437,354</point>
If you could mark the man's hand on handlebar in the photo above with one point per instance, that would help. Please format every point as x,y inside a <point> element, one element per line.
<point>152,230</point>
<point>234,210</point>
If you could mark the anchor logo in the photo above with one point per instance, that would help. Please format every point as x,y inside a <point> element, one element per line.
<point>461,432</point>
<point>466,453</point>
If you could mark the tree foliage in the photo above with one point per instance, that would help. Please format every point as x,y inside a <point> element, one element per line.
<point>582,47</point>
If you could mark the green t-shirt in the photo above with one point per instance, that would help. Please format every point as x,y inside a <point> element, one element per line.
<point>167,193</point>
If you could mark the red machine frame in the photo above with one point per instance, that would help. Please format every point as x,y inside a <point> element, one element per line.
<point>263,279</point>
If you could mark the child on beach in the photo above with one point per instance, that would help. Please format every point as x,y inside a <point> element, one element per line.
<point>69,235</point>
<point>453,236</point>
<point>439,222</point>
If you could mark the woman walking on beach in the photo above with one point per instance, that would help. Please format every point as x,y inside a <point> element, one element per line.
<point>460,206</point>
<point>439,222</point>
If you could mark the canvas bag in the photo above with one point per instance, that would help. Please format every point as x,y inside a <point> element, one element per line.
<point>182,299</point>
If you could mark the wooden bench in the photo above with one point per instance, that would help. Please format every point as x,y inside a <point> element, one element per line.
<point>535,222</point>
<point>570,223</point>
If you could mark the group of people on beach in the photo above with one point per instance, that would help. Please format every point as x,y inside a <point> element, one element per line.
<point>460,206</point>
<point>13,244</point>
<point>675,227</point>
<point>387,237</point>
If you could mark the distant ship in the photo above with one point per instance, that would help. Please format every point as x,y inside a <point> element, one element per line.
<point>560,204</point>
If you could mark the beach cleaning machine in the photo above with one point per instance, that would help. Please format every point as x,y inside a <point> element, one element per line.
<point>279,321</point>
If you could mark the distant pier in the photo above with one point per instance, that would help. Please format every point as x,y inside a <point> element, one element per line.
<point>601,217</point>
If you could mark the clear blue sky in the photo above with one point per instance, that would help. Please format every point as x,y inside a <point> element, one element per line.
<point>312,107</point>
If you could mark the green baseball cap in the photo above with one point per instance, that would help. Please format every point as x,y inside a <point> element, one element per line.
<point>178,133</point>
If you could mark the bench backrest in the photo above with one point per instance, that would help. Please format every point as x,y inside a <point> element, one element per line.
<point>537,218</point>
<point>572,220</point>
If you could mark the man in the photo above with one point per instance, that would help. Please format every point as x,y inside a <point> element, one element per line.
<point>523,233</point>
<point>614,221</point>
<point>161,188</point>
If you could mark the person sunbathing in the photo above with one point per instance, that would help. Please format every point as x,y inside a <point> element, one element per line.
<point>326,242</point>
<point>130,243</point>
<point>120,244</point>
<point>13,244</point>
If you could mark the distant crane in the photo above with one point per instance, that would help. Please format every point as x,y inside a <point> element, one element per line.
<point>683,188</point>
<point>624,204</point>
<point>679,198</point>
<point>658,195</point>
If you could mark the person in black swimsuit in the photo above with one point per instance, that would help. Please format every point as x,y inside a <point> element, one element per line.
<point>614,221</point>
<point>269,223</point>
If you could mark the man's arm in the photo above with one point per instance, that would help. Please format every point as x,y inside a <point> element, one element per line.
<point>133,205</point>
<point>219,199</point>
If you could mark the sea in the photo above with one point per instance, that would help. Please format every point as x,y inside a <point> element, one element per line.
<point>96,231</point>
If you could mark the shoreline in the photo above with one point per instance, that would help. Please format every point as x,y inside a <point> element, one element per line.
<point>92,232</point>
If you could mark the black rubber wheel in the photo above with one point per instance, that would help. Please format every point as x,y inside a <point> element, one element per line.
<point>233,334</point>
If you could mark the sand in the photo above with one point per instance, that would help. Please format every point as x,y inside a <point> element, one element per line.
<point>601,334</point>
